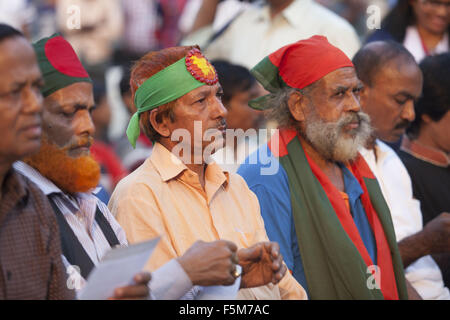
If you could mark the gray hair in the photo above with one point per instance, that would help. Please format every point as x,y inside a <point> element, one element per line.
<point>279,107</point>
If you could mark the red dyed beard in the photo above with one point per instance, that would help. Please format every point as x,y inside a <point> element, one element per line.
<point>71,175</point>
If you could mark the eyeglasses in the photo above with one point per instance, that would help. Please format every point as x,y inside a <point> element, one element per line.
<point>435,4</point>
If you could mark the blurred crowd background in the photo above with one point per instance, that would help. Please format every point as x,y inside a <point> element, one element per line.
<point>112,34</point>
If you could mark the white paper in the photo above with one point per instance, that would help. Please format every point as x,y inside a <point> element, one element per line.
<point>117,269</point>
<point>221,292</point>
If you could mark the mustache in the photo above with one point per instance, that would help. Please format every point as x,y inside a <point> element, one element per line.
<point>359,117</point>
<point>402,124</point>
<point>81,142</point>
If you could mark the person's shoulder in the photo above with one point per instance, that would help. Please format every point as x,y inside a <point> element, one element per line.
<point>262,168</point>
<point>33,189</point>
<point>387,149</point>
<point>38,202</point>
<point>328,18</point>
<point>144,178</point>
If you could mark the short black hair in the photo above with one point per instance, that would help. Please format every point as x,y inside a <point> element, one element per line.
<point>99,90</point>
<point>233,78</point>
<point>124,84</point>
<point>373,56</point>
<point>435,99</point>
<point>6,32</point>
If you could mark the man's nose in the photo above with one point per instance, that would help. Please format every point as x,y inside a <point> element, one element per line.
<point>218,110</point>
<point>32,100</point>
<point>353,104</point>
<point>408,111</point>
<point>83,123</point>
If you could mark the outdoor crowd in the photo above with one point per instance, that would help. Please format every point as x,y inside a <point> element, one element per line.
<point>283,145</point>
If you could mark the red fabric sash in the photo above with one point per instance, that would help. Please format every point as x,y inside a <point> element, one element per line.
<point>360,169</point>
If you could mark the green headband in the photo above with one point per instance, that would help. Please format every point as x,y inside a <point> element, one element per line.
<point>169,84</point>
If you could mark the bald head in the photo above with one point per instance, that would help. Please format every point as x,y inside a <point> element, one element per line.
<point>392,82</point>
<point>374,56</point>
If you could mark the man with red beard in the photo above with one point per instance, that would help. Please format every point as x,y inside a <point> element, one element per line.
<point>66,173</point>
<point>323,206</point>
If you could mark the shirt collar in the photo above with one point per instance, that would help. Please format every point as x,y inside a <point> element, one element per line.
<point>352,186</point>
<point>378,153</point>
<point>425,153</point>
<point>166,163</point>
<point>169,166</point>
<point>14,182</point>
<point>46,186</point>
<point>14,191</point>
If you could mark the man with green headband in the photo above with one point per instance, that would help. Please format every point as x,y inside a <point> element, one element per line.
<point>68,176</point>
<point>324,205</point>
<point>178,192</point>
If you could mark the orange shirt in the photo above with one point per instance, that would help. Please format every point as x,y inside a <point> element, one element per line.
<point>163,197</point>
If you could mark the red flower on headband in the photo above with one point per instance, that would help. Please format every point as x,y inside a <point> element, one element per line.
<point>200,68</point>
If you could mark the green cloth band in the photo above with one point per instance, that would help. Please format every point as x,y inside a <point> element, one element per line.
<point>165,86</point>
<point>266,73</point>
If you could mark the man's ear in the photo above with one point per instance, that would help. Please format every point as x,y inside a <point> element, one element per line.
<point>296,104</point>
<point>363,94</point>
<point>426,118</point>
<point>160,126</point>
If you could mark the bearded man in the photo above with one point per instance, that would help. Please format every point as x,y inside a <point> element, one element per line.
<point>323,206</point>
<point>66,173</point>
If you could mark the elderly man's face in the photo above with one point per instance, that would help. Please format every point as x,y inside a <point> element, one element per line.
<point>198,111</point>
<point>67,120</point>
<point>390,100</point>
<point>332,120</point>
<point>20,99</point>
<point>337,94</point>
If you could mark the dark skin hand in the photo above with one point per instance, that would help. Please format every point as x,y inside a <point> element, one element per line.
<point>137,291</point>
<point>210,263</point>
<point>433,239</point>
<point>261,264</point>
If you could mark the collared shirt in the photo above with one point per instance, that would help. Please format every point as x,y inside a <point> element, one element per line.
<point>164,197</point>
<point>79,212</point>
<point>424,274</point>
<point>425,153</point>
<point>30,255</point>
<point>274,194</point>
<point>254,35</point>
<point>413,43</point>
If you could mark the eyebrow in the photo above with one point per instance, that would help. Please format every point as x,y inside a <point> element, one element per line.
<point>77,106</point>
<point>204,92</point>
<point>406,94</point>
<point>21,84</point>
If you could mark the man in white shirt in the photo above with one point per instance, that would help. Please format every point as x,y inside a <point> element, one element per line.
<point>392,82</point>
<point>265,27</point>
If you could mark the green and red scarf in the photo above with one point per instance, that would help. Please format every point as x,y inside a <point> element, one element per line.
<point>59,64</point>
<point>334,256</point>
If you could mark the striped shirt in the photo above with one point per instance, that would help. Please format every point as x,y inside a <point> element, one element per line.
<point>168,282</point>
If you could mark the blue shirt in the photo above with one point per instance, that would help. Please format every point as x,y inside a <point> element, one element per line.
<point>274,197</point>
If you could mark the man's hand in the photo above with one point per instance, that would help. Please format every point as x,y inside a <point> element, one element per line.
<point>436,234</point>
<point>261,264</point>
<point>137,291</point>
<point>210,263</point>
